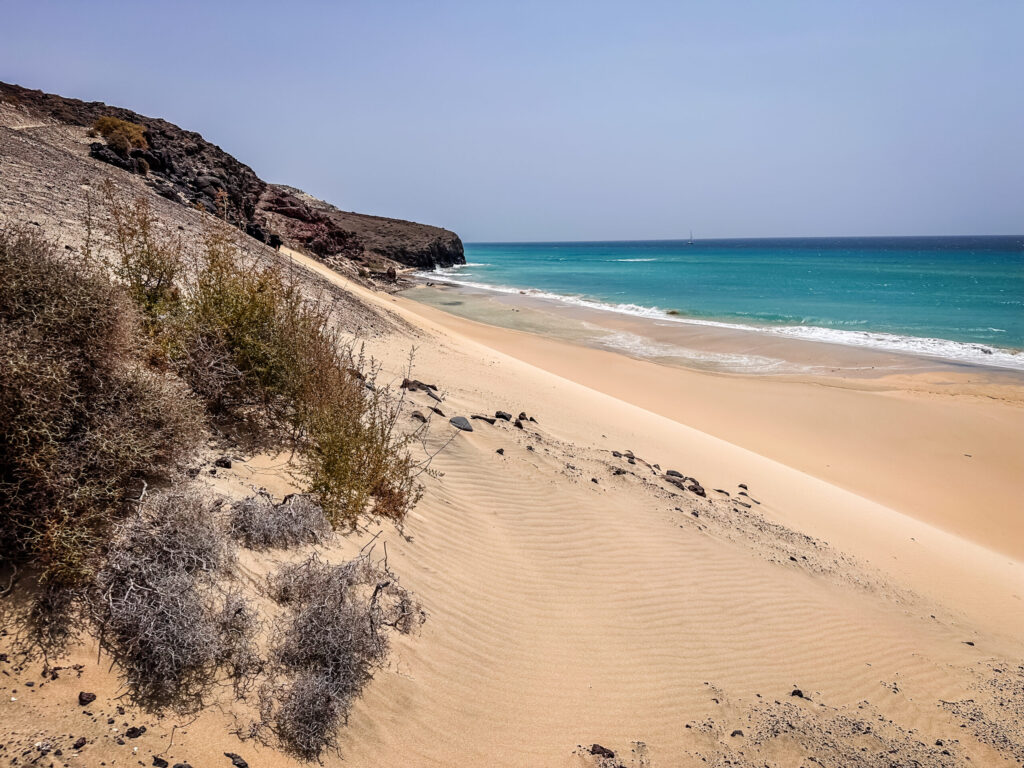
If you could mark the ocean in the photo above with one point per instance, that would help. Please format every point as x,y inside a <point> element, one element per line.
<point>955,298</point>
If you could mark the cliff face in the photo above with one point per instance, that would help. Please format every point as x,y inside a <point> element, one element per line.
<point>182,166</point>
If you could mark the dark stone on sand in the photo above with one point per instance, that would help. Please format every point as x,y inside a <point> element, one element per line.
<point>519,424</point>
<point>500,451</point>
<point>438,411</point>
<point>182,765</point>
<point>79,743</point>
<point>418,415</point>
<point>478,417</point>
<point>593,480</point>
<point>85,697</point>
<point>414,385</point>
<point>431,393</point>
<point>236,761</point>
<point>674,473</point>
<point>969,642</point>
<point>616,454</point>
<point>223,462</point>
<point>743,486</point>
<point>522,416</point>
<point>695,513</point>
<point>503,415</point>
<point>618,471</point>
<point>461,422</point>
<point>698,489</point>
<point>797,693</point>
<point>530,448</point>
<point>159,762</point>
<point>135,732</point>
<point>599,751</point>
<point>737,732</point>
<point>719,490</point>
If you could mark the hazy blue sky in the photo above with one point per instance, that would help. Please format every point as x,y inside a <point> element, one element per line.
<point>579,120</point>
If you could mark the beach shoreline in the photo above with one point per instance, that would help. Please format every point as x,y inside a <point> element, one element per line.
<point>929,439</point>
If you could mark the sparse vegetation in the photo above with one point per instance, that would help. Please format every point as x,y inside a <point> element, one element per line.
<point>81,421</point>
<point>249,341</point>
<point>326,646</point>
<point>112,367</point>
<point>160,610</point>
<point>122,136</point>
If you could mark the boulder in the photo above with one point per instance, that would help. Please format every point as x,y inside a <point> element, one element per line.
<point>85,698</point>
<point>504,416</point>
<point>674,473</point>
<point>519,424</point>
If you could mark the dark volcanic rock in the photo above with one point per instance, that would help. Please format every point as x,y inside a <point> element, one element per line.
<point>504,416</point>
<point>328,231</point>
<point>79,743</point>
<point>236,760</point>
<point>134,733</point>
<point>85,698</point>
<point>598,751</point>
<point>478,417</point>
<point>461,422</point>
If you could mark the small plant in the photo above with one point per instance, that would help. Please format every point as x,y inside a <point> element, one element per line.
<point>122,136</point>
<point>259,523</point>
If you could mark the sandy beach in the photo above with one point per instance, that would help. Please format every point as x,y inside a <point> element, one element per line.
<point>576,597</point>
<point>843,590</point>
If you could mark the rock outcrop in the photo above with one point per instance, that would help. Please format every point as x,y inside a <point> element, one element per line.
<point>182,166</point>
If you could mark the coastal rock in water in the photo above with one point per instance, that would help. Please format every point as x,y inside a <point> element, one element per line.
<point>461,422</point>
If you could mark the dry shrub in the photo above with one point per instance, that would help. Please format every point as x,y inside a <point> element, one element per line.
<point>255,346</point>
<point>121,135</point>
<point>326,645</point>
<point>80,419</point>
<point>259,523</point>
<point>160,610</point>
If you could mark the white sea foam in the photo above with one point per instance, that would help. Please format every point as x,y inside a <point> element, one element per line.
<point>629,260</point>
<point>638,346</point>
<point>968,353</point>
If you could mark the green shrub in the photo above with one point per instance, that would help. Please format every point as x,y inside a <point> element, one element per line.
<point>254,346</point>
<point>81,420</point>
<point>122,136</point>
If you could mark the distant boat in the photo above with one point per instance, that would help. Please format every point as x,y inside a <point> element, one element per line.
<point>691,238</point>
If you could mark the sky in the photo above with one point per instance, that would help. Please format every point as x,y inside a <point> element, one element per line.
<point>518,121</point>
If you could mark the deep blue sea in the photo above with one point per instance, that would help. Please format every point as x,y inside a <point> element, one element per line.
<point>960,298</point>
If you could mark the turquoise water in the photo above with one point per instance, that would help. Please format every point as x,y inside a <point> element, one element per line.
<point>960,298</point>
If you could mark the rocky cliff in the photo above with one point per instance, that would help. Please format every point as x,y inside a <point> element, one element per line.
<point>182,166</point>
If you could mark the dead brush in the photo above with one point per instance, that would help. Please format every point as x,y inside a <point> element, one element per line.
<point>326,646</point>
<point>81,418</point>
<point>258,523</point>
<point>160,611</point>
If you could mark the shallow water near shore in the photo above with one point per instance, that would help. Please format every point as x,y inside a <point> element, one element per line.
<point>959,300</point>
<point>715,348</point>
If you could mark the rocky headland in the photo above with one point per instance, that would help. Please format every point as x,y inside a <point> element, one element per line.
<point>180,165</point>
